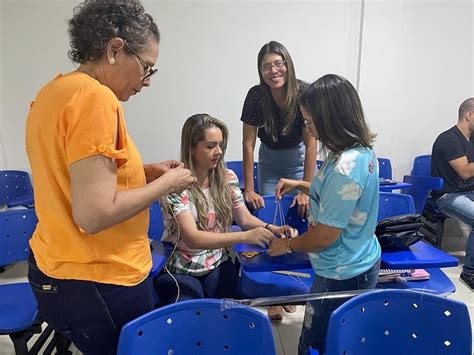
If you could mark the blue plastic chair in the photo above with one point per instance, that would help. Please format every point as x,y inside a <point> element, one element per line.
<point>422,166</point>
<point>397,322</point>
<point>237,167</point>
<point>434,219</point>
<point>156,227</point>
<point>393,204</point>
<point>291,216</point>
<point>15,188</point>
<point>385,168</point>
<point>267,283</point>
<point>420,189</point>
<point>16,229</point>
<point>198,327</point>
<point>18,307</point>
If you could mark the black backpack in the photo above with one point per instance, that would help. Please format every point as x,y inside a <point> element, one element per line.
<point>399,232</point>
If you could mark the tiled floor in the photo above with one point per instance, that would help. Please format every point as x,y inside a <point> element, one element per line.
<point>286,334</point>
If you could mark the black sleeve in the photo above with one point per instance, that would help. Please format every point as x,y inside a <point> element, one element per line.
<point>450,147</point>
<point>251,112</point>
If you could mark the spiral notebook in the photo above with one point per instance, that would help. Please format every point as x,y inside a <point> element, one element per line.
<point>403,275</point>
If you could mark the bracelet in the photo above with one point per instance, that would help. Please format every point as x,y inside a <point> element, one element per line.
<point>289,249</point>
<point>267,225</point>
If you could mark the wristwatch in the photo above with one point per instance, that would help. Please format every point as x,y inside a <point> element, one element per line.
<point>289,249</point>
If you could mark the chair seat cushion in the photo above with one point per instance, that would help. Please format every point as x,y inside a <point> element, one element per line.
<point>18,307</point>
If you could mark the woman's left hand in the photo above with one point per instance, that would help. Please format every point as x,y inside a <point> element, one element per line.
<point>302,202</point>
<point>278,247</point>
<point>155,170</point>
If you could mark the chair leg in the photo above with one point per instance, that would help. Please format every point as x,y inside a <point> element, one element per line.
<point>60,342</point>
<point>439,232</point>
<point>20,339</point>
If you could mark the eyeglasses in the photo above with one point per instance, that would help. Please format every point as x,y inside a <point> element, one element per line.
<point>267,67</point>
<point>307,124</point>
<point>149,71</point>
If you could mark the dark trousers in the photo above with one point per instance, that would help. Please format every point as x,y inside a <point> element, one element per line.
<point>318,312</point>
<point>222,282</point>
<point>90,314</point>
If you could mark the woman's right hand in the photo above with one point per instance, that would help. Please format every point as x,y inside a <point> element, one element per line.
<point>260,236</point>
<point>254,200</point>
<point>284,186</point>
<point>178,179</point>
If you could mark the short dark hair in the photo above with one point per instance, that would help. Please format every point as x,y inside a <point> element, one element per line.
<point>337,114</point>
<point>96,22</point>
<point>467,105</point>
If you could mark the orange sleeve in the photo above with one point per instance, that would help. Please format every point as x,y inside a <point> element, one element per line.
<point>92,123</point>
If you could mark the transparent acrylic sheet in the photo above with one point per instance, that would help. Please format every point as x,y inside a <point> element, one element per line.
<point>297,299</point>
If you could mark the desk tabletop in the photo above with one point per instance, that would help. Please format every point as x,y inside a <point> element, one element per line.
<point>417,256</point>
<point>420,255</point>
<point>265,262</point>
<point>396,185</point>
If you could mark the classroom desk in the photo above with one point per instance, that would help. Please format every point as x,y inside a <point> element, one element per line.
<point>417,256</point>
<point>438,284</point>
<point>265,262</point>
<point>420,255</point>
<point>160,253</point>
<point>397,185</point>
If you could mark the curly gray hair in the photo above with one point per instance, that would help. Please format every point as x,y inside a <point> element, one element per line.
<point>96,22</point>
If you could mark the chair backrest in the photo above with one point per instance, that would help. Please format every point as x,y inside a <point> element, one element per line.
<point>237,167</point>
<point>155,227</point>
<point>393,322</point>
<point>14,185</point>
<point>385,168</point>
<point>422,166</point>
<point>392,204</point>
<point>16,229</point>
<point>420,189</point>
<point>267,213</point>
<point>198,327</point>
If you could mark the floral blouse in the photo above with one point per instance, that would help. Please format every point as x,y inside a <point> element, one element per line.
<point>185,260</point>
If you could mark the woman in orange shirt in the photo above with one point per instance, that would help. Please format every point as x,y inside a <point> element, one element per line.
<point>90,255</point>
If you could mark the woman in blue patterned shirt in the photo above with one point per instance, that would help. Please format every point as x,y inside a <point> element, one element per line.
<point>344,195</point>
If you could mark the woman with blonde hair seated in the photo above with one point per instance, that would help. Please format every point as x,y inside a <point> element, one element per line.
<point>198,221</point>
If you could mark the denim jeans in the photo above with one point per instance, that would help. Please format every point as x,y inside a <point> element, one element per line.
<point>316,318</point>
<point>460,205</point>
<point>222,282</point>
<point>275,164</point>
<point>90,314</point>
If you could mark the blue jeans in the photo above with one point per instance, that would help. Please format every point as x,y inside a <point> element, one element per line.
<point>90,314</point>
<point>460,205</point>
<point>275,164</point>
<point>222,282</point>
<point>316,318</point>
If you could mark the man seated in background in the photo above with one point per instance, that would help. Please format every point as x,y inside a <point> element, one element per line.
<point>452,159</point>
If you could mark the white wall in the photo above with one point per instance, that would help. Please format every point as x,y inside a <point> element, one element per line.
<point>416,70</point>
<point>417,65</point>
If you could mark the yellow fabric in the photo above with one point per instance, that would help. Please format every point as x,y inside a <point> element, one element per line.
<point>74,117</point>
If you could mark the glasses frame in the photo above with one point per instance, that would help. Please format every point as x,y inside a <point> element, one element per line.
<point>146,67</point>
<point>271,65</point>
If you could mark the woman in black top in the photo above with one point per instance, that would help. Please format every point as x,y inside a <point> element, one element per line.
<point>287,150</point>
<point>271,111</point>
